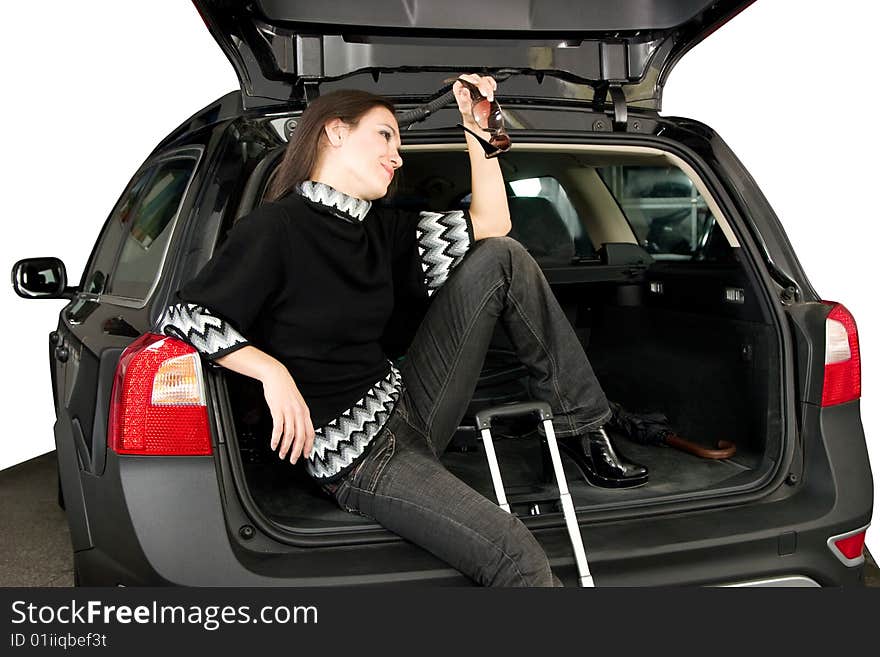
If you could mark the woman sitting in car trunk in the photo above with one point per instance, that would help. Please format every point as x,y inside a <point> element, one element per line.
<point>299,297</point>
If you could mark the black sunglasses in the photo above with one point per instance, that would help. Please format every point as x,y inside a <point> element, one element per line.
<point>487,115</point>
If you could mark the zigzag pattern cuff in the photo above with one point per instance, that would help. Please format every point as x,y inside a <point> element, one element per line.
<point>443,239</point>
<point>339,443</point>
<point>211,336</point>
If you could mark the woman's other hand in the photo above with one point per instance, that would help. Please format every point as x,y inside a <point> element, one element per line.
<point>486,84</point>
<point>292,430</point>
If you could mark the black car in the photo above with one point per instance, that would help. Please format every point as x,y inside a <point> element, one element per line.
<point>668,260</point>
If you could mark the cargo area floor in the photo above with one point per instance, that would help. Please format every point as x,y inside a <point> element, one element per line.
<point>289,498</point>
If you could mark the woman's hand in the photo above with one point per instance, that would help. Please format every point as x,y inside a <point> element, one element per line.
<point>292,429</point>
<point>486,84</point>
<point>488,210</point>
<point>291,421</point>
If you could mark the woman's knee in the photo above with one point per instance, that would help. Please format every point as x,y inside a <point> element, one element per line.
<point>503,245</point>
<point>526,563</point>
<point>505,252</point>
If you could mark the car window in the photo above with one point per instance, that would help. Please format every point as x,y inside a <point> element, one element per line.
<point>544,220</point>
<point>666,212</point>
<point>558,222</point>
<point>147,227</point>
<point>104,256</point>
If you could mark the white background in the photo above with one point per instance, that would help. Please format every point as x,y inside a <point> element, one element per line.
<point>90,88</point>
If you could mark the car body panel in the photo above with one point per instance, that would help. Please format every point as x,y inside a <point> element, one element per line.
<point>280,47</point>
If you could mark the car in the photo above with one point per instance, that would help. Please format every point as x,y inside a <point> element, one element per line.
<point>668,260</point>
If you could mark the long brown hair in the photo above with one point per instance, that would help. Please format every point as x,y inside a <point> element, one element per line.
<point>301,155</point>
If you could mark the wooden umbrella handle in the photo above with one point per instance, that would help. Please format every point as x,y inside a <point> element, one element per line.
<point>725,449</point>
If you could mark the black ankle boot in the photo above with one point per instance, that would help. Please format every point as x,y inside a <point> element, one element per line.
<point>600,463</point>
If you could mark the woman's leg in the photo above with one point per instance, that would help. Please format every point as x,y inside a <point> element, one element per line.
<point>497,281</point>
<point>405,488</point>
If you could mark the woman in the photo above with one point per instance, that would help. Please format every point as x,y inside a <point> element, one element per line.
<point>311,279</point>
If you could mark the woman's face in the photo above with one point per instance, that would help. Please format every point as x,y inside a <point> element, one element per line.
<point>363,158</point>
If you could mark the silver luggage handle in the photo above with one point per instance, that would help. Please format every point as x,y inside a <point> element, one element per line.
<point>485,417</point>
<point>542,409</point>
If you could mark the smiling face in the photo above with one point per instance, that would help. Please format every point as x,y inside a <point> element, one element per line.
<point>360,160</point>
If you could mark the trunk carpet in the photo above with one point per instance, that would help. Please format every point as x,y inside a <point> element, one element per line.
<point>287,496</point>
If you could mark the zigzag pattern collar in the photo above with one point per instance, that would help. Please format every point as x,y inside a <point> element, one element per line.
<point>340,204</point>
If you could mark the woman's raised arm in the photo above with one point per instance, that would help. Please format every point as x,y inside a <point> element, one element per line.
<point>489,213</point>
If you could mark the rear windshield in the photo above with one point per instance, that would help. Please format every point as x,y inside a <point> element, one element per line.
<point>565,206</point>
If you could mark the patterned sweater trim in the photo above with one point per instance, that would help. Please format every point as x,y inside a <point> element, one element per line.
<point>443,240</point>
<point>348,207</point>
<point>211,336</point>
<point>339,444</point>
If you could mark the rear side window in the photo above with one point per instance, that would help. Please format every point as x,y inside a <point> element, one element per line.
<point>104,257</point>
<point>666,212</point>
<point>147,229</point>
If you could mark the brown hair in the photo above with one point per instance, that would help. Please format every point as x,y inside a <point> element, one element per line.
<point>301,155</point>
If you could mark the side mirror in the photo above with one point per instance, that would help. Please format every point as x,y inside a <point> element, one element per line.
<point>41,278</point>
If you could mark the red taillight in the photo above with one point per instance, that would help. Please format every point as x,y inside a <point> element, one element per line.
<point>843,368</point>
<point>158,403</point>
<point>849,547</point>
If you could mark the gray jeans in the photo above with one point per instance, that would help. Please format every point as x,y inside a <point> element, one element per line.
<point>402,484</point>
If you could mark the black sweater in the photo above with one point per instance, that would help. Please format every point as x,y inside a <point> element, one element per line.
<point>312,279</point>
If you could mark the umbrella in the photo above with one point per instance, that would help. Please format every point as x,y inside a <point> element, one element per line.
<point>654,429</point>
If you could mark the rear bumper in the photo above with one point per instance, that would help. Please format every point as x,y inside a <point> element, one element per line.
<point>167,524</point>
<point>792,581</point>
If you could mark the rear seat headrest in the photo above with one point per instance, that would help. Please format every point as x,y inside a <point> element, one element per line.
<point>539,227</point>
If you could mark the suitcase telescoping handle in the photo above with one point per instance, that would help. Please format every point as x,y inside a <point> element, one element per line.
<point>485,417</point>
<point>542,410</point>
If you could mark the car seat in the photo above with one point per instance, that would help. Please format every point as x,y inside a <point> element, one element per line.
<point>538,226</point>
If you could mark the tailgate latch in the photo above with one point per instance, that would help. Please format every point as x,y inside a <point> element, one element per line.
<point>618,99</point>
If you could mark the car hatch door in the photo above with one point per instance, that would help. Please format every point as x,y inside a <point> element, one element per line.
<point>283,49</point>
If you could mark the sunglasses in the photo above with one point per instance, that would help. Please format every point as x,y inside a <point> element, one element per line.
<point>487,115</point>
